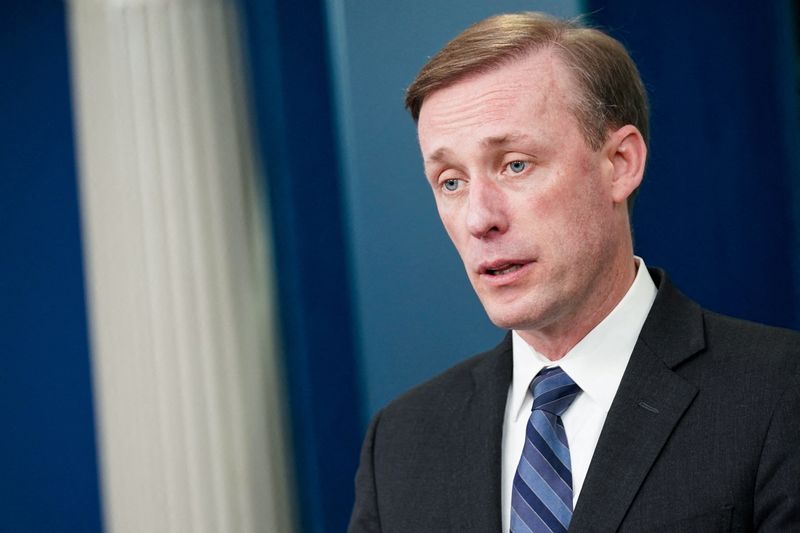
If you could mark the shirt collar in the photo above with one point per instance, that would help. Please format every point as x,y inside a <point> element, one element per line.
<point>597,362</point>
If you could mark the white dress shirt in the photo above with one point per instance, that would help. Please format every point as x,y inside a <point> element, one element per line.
<point>596,365</point>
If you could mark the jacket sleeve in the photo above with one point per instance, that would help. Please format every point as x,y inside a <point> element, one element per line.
<point>777,491</point>
<point>365,517</point>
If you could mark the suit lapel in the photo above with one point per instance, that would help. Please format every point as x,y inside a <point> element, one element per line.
<point>474,501</point>
<point>649,403</point>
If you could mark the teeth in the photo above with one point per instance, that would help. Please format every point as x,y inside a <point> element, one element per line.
<point>505,270</point>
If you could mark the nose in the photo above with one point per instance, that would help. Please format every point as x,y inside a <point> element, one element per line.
<point>486,209</point>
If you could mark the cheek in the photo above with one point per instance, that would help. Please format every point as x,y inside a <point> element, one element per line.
<point>564,215</point>
<point>547,208</point>
<point>449,218</point>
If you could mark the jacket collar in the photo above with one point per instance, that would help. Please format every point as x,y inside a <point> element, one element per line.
<point>650,401</point>
<point>474,502</point>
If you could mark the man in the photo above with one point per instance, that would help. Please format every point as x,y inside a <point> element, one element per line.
<point>615,403</point>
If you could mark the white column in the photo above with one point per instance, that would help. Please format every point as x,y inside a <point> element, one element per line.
<point>189,407</point>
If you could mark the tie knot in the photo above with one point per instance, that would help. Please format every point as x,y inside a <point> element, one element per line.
<point>553,390</point>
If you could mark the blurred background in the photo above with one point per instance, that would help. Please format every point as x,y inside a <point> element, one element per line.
<point>220,256</point>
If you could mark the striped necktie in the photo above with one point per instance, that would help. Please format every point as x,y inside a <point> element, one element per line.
<point>542,492</point>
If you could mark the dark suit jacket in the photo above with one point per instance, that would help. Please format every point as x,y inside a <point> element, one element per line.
<point>703,435</point>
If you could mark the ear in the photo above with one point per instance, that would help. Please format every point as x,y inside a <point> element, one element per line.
<point>627,152</point>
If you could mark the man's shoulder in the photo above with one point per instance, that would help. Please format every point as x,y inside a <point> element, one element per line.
<point>446,392</point>
<point>678,323</point>
<point>744,333</point>
<point>752,344</point>
<point>727,357</point>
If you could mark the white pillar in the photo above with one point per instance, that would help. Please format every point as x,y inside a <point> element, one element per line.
<point>189,406</point>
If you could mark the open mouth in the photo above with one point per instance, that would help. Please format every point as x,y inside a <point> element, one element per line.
<point>503,269</point>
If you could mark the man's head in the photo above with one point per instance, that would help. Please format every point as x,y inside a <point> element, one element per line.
<point>609,94</point>
<point>531,190</point>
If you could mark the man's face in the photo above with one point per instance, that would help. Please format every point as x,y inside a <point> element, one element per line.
<point>524,199</point>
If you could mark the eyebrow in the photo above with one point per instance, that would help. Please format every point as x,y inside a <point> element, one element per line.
<point>440,154</point>
<point>505,139</point>
<point>437,156</point>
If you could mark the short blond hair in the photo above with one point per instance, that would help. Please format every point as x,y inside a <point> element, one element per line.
<point>611,92</point>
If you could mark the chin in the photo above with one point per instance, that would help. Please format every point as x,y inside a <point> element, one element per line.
<point>508,319</point>
<point>520,314</point>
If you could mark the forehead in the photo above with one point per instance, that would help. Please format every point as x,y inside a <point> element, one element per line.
<point>521,96</point>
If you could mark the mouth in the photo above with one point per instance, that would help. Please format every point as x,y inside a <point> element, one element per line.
<point>503,271</point>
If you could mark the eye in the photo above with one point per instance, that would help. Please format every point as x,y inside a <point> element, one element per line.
<point>451,184</point>
<point>517,166</point>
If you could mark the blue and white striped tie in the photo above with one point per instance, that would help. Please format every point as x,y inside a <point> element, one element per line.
<point>542,496</point>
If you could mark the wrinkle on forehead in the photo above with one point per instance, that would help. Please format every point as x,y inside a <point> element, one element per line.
<point>464,112</point>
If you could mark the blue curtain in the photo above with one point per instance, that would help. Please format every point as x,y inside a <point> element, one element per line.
<point>293,106</point>
<point>719,208</point>
<point>48,465</point>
